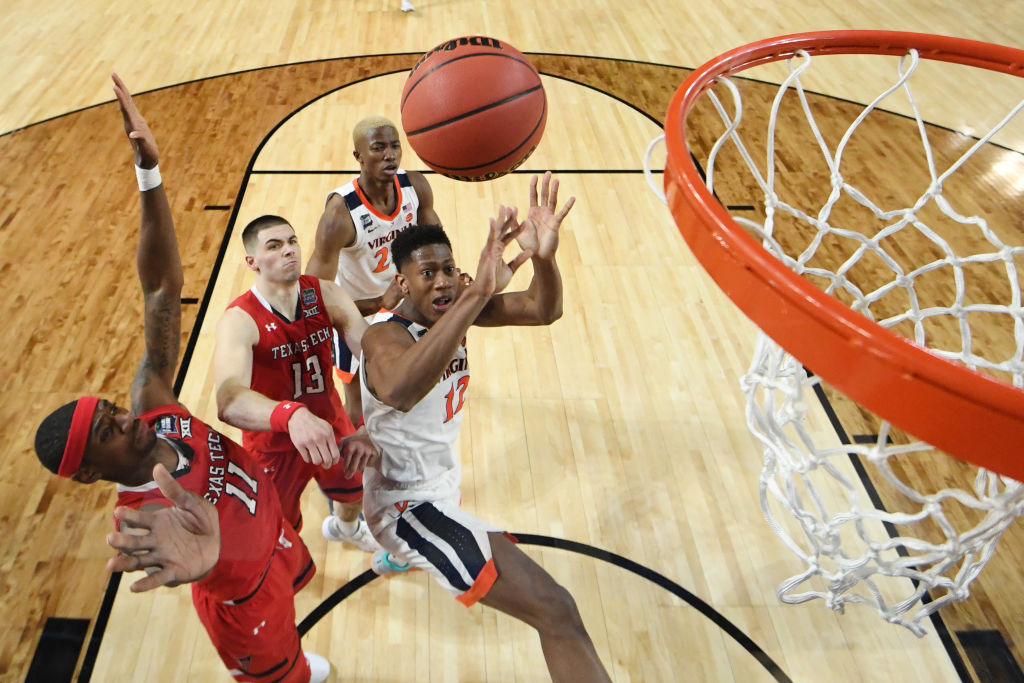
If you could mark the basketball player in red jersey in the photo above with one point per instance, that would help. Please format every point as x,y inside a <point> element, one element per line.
<point>245,600</point>
<point>275,380</point>
<point>359,221</point>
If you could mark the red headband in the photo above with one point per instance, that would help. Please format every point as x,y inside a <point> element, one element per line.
<point>74,449</point>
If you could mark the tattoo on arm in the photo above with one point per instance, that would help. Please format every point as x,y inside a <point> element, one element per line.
<point>154,379</point>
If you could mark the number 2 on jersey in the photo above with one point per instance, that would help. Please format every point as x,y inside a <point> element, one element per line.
<point>382,260</point>
<point>460,388</point>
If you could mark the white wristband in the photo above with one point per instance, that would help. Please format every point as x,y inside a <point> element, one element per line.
<point>148,177</point>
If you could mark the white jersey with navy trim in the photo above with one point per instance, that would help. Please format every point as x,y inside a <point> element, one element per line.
<point>365,269</point>
<point>419,448</point>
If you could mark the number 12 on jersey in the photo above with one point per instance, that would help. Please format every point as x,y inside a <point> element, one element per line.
<point>455,397</point>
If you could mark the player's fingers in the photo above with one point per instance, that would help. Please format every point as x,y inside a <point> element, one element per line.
<point>162,577</point>
<point>533,190</point>
<point>560,216</point>
<point>170,487</point>
<point>133,517</point>
<point>332,452</point>
<point>544,188</point>
<point>553,195</point>
<point>128,543</point>
<point>521,258</point>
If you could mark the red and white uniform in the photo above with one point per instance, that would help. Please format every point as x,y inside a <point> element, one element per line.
<point>292,362</point>
<point>246,602</point>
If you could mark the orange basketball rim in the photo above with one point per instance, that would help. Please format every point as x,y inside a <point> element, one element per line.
<point>958,410</point>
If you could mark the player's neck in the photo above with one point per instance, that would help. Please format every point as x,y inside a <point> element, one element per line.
<point>380,193</point>
<point>409,312</point>
<point>161,452</point>
<point>282,295</point>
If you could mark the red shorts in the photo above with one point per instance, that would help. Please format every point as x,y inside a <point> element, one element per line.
<point>256,636</point>
<point>290,474</point>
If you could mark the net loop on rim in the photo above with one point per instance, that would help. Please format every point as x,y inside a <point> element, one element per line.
<point>844,328</point>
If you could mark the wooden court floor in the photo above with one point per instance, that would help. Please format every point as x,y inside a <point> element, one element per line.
<point>612,442</point>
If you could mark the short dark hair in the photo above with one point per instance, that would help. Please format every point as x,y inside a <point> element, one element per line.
<point>52,436</point>
<point>251,232</point>
<point>414,237</point>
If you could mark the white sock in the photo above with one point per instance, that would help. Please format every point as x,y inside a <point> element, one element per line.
<point>348,528</point>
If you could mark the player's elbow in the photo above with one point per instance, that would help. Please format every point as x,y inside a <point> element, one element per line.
<point>399,399</point>
<point>226,403</point>
<point>552,315</point>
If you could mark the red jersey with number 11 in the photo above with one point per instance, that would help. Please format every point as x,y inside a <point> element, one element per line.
<point>292,362</point>
<point>217,469</point>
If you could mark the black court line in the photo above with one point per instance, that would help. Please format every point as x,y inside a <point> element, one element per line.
<point>992,659</point>
<point>741,638</point>
<point>217,207</point>
<point>935,617</point>
<point>57,651</point>
<point>102,617</point>
<point>189,300</point>
<point>427,171</point>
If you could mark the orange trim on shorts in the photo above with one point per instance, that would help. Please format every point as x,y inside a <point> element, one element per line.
<point>484,580</point>
<point>345,377</point>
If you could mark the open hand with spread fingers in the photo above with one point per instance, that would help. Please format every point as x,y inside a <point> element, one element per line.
<point>182,543</point>
<point>540,228</point>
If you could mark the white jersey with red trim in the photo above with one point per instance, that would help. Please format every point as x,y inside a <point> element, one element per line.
<point>419,447</point>
<point>365,269</point>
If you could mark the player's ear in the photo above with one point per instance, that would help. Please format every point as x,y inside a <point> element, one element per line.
<point>403,283</point>
<point>251,262</point>
<point>86,474</point>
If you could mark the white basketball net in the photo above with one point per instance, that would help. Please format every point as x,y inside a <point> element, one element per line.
<point>850,556</point>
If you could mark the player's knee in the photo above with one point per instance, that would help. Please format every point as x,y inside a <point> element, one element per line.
<point>559,613</point>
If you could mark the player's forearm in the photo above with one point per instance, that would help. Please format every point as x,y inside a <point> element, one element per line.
<point>545,291</point>
<point>321,266</point>
<point>244,408</point>
<point>418,368</point>
<point>369,306</point>
<point>157,259</point>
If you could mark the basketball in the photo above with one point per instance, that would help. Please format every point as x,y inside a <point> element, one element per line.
<point>473,108</point>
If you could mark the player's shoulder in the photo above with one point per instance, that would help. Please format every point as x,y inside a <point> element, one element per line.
<point>417,179</point>
<point>338,211</point>
<point>237,320</point>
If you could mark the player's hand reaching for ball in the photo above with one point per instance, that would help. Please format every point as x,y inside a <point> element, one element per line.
<point>493,273</point>
<point>540,229</point>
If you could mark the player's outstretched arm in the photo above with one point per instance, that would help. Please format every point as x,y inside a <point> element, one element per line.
<point>182,543</point>
<point>158,263</point>
<point>541,302</point>
<point>242,407</point>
